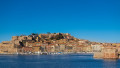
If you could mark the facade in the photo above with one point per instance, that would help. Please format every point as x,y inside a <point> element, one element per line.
<point>36,49</point>
<point>62,47</point>
<point>69,48</point>
<point>50,48</point>
<point>7,47</point>
<point>97,48</point>
<point>88,48</point>
<point>27,49</point>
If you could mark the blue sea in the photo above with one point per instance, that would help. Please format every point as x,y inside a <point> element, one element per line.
<point>56,61</point>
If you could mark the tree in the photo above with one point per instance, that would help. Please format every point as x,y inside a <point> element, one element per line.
<point>58,37</point>
<point>48,33</point>
<point>52,38</point>
<point>34,34</point>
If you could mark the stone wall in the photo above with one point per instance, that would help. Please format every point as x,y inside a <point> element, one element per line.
<point>110,53</point>
<point>98,55</point>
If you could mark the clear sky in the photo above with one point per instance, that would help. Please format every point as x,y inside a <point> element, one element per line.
<point>94,20</point>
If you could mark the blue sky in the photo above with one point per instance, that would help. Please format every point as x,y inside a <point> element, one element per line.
<point>95,20</point>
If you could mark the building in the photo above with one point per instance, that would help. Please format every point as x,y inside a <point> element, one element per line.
<point>27,49</point>
<point>88,48</point>
<point>7,47</point>
<point>97,48</point>
<point>69,48</point>
<point>62,47</point>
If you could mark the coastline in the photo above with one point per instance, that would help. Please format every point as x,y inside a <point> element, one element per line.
<point>45,53</point>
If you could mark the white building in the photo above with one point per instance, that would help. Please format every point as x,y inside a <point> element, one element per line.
<point>97,48</point>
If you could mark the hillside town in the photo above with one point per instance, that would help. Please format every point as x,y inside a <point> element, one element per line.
<point>58,43</point>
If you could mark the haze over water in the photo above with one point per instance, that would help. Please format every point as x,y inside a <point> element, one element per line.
<point>56,61</point>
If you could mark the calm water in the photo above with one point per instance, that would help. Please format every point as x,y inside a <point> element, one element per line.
<point>56,61</point>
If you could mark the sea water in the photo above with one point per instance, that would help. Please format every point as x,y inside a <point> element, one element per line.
<point>56,61</point>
